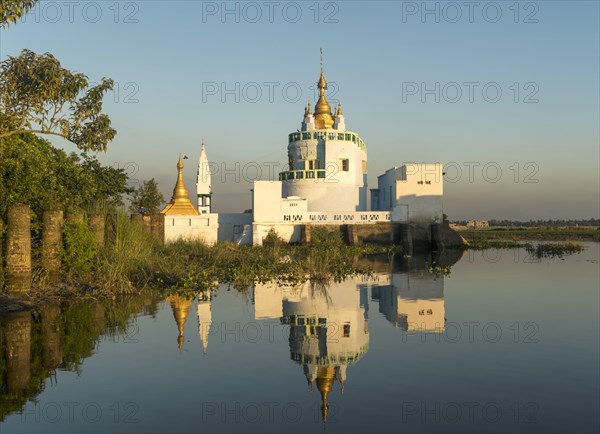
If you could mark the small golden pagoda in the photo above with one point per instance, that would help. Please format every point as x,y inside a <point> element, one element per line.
<point>180,202</point>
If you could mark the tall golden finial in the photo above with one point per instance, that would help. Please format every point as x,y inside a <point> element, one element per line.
<point>309,109</point>
<point>180,202</point>
<point>323,118</point>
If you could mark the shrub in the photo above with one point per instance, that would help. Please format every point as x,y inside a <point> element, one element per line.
<point>79,247</point>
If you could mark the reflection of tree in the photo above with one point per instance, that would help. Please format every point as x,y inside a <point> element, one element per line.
<point>34,345</point>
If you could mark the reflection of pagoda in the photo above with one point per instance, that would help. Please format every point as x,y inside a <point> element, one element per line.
<point>181,307</point>
<point>328,328</point>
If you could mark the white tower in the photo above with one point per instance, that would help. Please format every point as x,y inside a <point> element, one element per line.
<point>203,184</point>
<point>338,120</point>
<point>309,120</point>
<point>327,163</point>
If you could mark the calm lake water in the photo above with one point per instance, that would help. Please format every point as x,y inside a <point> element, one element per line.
<point>503,343</point>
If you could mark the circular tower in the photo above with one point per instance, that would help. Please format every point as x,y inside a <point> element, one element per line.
<point>327,164</point>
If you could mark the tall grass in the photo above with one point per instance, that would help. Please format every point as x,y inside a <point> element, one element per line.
<point>132,259</point>
<point>130,251</point>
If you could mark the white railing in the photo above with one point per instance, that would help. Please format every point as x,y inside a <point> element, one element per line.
<point>358,217</point>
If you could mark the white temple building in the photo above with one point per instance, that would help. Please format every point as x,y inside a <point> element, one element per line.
<point>325,184</point>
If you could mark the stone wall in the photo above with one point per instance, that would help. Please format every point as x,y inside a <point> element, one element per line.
<point>18,242</point>
<point>377,233</point>
<point>51,240</point>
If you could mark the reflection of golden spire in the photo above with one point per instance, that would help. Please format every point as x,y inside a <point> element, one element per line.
<point>180,306</point>
<point>323,118</point>
<point>180,202</point>
<point>325,377</point>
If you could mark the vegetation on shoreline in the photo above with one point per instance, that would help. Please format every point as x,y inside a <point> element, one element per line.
<point>192,267</point>
<point>511,237</point>
<point>550,250</point>
<point>133,260</point>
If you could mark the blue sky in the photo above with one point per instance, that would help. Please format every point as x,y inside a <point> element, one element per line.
<point>173,62</point>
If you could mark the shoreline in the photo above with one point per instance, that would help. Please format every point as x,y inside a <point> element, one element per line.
<point>78,287</point>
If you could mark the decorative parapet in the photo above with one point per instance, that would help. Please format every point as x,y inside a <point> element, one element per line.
<point>336,217</point>
<point>328,134</point>
<point>289,175</point>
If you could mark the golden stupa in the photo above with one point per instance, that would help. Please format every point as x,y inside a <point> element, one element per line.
<point>180,202</point>
<point>323,118</point>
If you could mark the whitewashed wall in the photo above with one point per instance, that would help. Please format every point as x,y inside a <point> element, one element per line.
<point>415,190</point>
<point>235,227</point>
<point>192,228</point>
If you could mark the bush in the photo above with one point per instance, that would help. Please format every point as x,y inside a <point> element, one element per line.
<point>79,247</point>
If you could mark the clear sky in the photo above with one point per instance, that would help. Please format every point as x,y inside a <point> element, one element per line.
<point>480,86</point>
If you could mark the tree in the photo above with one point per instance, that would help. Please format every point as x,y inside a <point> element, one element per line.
<point>146,199</point>
<point>38,95</point>
<point>12,10</point>
<point>34,172</point>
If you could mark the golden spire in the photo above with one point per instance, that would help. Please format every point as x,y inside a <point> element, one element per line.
<point>180,306</point>
<point>309,109</point>
<point>338,111</point>
<point>323,118</point>
<point>325,377</point>
<point>180,202</point>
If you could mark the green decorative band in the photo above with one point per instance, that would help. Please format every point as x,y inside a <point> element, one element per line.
<point>347,136</point>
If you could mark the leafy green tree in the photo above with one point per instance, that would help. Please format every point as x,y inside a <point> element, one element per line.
<point>146,199</point>
<point>38,95</point>
<point>12,10</point>
<point>34,172</point>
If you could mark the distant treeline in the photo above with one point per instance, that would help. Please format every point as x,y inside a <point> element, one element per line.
<point>538,223</point>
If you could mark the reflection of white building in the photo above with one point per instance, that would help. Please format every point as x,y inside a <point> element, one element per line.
<point>414,301</point>
<point>180,306</point>
<point>329,328</point>
<point>204,319</point>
